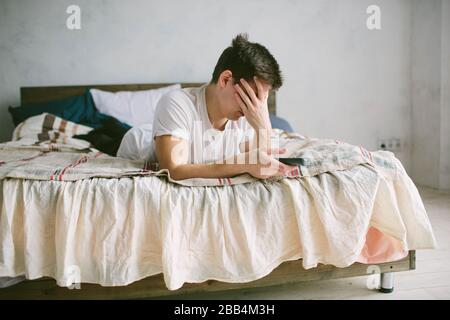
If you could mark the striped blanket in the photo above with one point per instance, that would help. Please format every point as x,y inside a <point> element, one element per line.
<point>43,149</point>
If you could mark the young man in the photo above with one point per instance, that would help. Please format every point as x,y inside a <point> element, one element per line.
<point>221,129</point>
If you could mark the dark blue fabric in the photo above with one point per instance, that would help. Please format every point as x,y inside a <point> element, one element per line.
<point>280,123</point>
<point>79,109</point>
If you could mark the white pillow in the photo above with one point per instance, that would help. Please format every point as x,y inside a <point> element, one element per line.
<point>132,107</point>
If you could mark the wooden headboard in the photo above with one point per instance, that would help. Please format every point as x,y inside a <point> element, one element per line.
<point>31,95</point>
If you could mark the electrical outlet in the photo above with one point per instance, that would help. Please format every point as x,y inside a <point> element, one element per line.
<point>396,145</point>
<point>389,144</point>
<point>381,144</point>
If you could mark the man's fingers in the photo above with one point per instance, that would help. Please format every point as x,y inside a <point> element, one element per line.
<point>284,168</point>
<point>276,168</point>
<point>244,96</point>
<point>250,91</point>
<point>281,167</point>
<point>277,151</point>
<point>258,86</point>
<point>241,104</point>
<point>262,93</point>
<point>291,168</point>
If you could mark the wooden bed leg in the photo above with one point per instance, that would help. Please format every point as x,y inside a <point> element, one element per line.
<point>387,282</point>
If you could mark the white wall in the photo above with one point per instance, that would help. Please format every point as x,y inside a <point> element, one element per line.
<point>430,93</point>
<point>426,94</point>
<point>341,80</point>
<point>444,182</point>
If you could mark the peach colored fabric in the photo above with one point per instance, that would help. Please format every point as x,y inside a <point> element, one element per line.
<point>380,248</point>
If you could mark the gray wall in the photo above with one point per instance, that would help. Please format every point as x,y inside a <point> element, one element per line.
<point>430,93</point>
<point>444,182</point>
<point>342,80</point>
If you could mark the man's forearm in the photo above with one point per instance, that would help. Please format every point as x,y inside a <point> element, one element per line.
<point>214,170</point>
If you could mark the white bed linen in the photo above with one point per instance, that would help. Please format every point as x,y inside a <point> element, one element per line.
<point>79,216</point>
<point>117,231</point>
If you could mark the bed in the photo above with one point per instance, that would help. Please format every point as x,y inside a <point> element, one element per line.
<point>162,278</point>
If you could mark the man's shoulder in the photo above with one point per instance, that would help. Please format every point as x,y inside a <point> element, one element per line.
<point>176,99</point>
<point>183,95</point>
<point>177,103</point>
<point>177,95</point>
<point>185,100</point>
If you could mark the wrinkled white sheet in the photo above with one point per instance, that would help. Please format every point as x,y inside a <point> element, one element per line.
<point>117,231</point>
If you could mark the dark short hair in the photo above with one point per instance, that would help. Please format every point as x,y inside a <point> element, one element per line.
<point>246,59</point>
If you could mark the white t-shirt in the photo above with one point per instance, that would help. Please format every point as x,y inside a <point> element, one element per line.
<point>182,113</point>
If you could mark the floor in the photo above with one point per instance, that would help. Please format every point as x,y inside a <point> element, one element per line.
<point>430,280</point>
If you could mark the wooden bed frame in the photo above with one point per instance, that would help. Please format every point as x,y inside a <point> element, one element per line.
<point>154,286</point>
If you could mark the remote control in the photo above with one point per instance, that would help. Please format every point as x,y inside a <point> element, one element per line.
<point>292,161</point>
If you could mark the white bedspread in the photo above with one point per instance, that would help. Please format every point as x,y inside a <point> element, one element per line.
<point>117,231</point>
<point>114,231</point>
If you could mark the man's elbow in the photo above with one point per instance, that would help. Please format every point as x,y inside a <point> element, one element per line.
<point>175,172</point>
